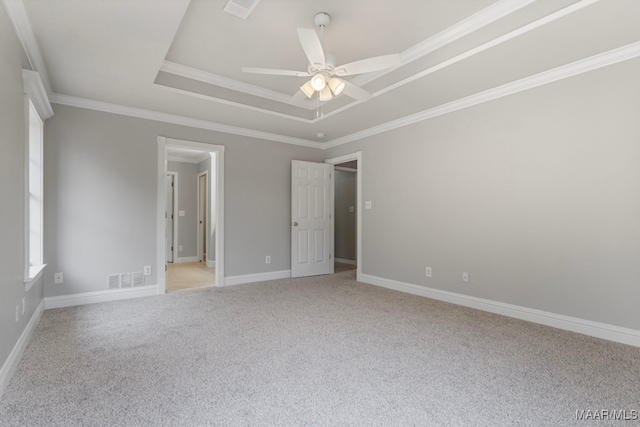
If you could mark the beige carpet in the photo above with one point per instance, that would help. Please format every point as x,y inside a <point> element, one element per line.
<point>317,351</point>
<point>189,275</point>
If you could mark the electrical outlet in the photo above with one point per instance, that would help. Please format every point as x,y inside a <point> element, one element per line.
<point>465,277</point>
<point>368,205</point>
<point>180,248</point>
<point>268,259</point>
<point>147,270</point>
<point>58,278</point>
<point>428,271</point>
<point>17,312</point>
<point>24,305</point>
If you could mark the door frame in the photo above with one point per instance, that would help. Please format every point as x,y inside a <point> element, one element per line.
<point>174,213</point>
<point>202,246</point>
<point>357,156</point>
<point>217,157</point>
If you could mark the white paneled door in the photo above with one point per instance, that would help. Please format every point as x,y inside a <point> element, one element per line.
<point>311,218</point>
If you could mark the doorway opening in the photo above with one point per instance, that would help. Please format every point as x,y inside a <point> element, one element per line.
<point>347,206</point>
<point>192,254</point>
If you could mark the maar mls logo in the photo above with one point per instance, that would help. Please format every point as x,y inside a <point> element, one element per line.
<point>607,414</point>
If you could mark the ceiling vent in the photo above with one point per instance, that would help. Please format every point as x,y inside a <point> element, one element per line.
<point>240,8</point>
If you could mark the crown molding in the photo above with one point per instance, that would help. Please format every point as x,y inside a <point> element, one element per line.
<point>463,28</point>
<point>34,88</point>
<point>232,84</point>
<point>492,43</point>
<point>232,103</point>
<point>20,20</point>
<point>595,62</point>
<point>141,113</point>
<point>611,57</point>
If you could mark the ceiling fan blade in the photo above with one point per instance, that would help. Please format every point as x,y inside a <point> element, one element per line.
<point>368,65</point>
<point>312,47</point>
<point>275,72</point>
<point>356,92</point>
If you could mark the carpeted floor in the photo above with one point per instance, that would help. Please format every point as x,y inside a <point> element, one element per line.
<point>311,351</point>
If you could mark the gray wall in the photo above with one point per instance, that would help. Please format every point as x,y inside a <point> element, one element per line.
<point>12,187</point>
<point>535,195</point>
<point>345,221</point>
<point>100,181</point>
<point>187,202</point>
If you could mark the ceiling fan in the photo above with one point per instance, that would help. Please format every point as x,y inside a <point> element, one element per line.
<point>325,74</point>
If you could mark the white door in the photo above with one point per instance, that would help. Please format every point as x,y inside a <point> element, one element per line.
<point>168,219</point>
<point>311,218</point>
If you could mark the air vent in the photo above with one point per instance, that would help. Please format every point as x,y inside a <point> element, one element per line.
<point>240,8</point>
<point>113,281</point>
<point>125,280</point>
<point>138,279</point>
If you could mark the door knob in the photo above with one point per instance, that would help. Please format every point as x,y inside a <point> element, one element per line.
<point>295,224</point>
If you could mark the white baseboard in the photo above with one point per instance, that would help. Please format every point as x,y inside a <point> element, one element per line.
<point>259,277</point>
<point>211,263</point>
<point>182,260</point>
<point>10,365</point>
<point>573,324</point>
<point>345,261</point>
<point>99,296</point>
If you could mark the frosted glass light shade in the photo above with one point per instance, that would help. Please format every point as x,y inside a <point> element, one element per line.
<point>325,94</point>
<point>336,85</point>
<point>307,89</point>
<point>318,82</point>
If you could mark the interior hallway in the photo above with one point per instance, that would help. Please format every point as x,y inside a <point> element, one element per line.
<point>189,275</point>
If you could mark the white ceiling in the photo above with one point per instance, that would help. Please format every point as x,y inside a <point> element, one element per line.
<point>180,60</point>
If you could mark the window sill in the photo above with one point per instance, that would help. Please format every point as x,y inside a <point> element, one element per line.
<point>35,272</point>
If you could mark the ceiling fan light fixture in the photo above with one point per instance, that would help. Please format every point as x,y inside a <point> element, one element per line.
<point>337,85</point>
<point>307,89</point>
<point>325,94</point>
<point>318,82</point>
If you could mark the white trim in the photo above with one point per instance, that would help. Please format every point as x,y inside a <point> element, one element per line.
<point>10,365</point>
<point>90,104</point>
<point>233,103</point>
<point>461,29</point>
<point>258,277</point>
<point>218,150</point>
<point>35,272</point>
<point>99,296</point>
<point>34,87</point>
<point>346,261</point>
<point>232,84</point>
<point>565,71</point>
<point>595,62</point>
<point>357,156</point>
<point>185,159</point>
<point>464,55</point>
<point>185,259</point>
<point>20,20</point>
<point>573,324</point>
<point>211,263</point>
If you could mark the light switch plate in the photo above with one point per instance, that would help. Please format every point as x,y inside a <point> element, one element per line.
<point>181,213</point>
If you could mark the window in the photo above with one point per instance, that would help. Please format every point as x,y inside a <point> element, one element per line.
<point>34,204</point>
<point>37,109</point>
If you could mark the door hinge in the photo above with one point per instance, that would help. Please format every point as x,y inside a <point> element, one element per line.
<point>329,256</point>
